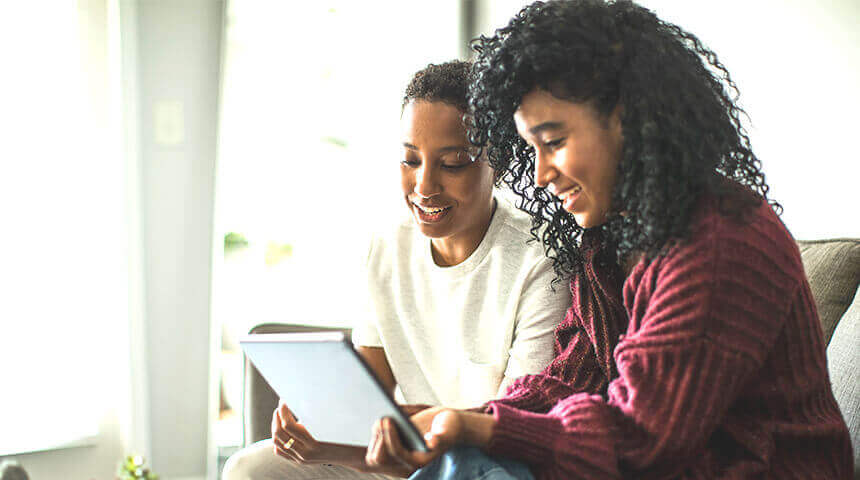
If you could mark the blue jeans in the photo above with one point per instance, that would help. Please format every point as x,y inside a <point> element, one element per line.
<point>470,463</point>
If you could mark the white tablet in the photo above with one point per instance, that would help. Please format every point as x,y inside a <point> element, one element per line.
<point>327,385</point>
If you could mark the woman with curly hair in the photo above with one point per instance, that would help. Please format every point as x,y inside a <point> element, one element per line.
<point>692,348</point>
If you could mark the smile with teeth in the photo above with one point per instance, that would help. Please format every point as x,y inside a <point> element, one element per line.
<point>573,191</point>
<point>431,210</point>
<point>430,214</point>
<point>568,198</point>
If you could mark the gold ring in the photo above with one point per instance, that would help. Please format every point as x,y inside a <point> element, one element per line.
<point>289,443</point>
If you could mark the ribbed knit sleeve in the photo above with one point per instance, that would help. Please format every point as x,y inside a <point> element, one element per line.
<point>703,321</point>
<point>660,411</point>
<point>584,341</point>
<point>577,370</point>
<point>535,393</point>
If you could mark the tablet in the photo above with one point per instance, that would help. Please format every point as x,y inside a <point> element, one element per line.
<point>328,386</point>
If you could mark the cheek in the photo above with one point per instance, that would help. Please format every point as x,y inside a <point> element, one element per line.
<point>575,163</point>
<point>591,165</point>
<point>407,181</point>
<point>475,191</point>
<point>609,167</point>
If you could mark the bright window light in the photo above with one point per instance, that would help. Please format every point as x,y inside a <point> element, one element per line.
<point>63,276</point>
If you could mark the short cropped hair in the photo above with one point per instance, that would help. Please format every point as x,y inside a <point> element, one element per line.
<point>446,82</point>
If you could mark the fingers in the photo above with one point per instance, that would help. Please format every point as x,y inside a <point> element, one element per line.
<point>391,441</point>
<point>375,454</point>
<point>286,414</point>
<point>281,437</point>
<point>276,422</point>
<point>284,452</point>
<point>294,448</point>
<point>281,418</point>
<point>284,421</point>
<point>385,447</point>
<point>290,439</point>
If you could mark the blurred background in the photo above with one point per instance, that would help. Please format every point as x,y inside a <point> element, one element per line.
<point>175,172</point>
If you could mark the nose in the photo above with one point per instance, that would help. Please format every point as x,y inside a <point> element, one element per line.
<point>426,183</point>
<point>545,172</point>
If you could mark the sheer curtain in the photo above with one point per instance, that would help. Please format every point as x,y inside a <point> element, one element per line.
<point>63,263</point>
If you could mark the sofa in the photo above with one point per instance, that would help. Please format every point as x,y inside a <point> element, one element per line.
<point>832,267</point>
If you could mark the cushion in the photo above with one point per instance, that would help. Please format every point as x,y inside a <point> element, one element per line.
<point>843,363</point>
<point>833,270</point>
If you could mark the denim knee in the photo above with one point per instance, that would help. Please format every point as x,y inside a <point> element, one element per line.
<point>471,463</point>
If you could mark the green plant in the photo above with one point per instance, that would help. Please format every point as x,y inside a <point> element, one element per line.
<point>234,241</point>
<point>132,468</point>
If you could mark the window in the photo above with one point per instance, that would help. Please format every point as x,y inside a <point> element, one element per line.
<point>62,252</point>
<point>308,158</point>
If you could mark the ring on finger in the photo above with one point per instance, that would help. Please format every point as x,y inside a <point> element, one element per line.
<point>289,443</point>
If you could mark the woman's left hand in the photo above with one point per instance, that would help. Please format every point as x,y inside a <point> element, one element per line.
<point>442,429</point>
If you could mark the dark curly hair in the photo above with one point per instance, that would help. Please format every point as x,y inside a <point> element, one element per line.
<point>446,82</point>
<point>681,126</point>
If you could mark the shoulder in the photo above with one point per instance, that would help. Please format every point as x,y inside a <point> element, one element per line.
<point>522,257</point>
<point>515,230</point>
<point>728,277</point>
<point>758,243</point>
<point>720,243</point>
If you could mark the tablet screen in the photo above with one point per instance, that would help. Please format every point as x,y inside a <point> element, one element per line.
<point>327,385</point>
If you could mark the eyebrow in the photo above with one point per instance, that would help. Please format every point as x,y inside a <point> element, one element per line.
<point>544,127</point>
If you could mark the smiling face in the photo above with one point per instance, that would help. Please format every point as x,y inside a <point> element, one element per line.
<point>576,152</point>
<point>450,196</point>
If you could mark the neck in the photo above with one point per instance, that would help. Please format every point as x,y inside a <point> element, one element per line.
<point>455,249</point>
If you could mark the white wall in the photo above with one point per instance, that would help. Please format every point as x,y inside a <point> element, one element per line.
<point>178,73</point>
<point>797,65</point>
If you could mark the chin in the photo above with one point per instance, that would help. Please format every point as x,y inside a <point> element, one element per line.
<point>586,220</point>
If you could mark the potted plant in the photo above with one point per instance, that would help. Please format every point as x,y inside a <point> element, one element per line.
<point>132,468</point>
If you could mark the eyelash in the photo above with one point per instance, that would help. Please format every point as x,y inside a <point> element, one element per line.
<point>450,168</point>
<point>553,144</point>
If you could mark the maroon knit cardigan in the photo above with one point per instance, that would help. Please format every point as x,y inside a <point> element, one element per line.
<point>707,362</point>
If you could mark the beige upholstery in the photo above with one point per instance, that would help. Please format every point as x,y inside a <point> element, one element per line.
<point>258,399</point>
<point>843,362</point>
<point>833,270</point>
